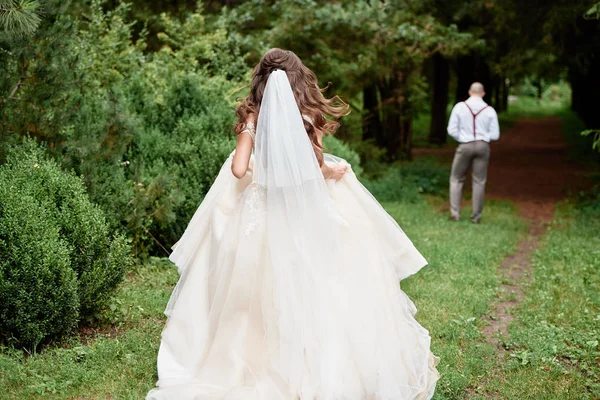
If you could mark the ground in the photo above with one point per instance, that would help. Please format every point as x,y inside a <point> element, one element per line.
<point>532,168</point>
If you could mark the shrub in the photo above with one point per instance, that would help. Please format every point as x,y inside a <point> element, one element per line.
<point>148,132</point>
<point>38,288</point>
<point>59,263</point>
<point>408,180</point>
<point>176,154</point>
<point>149,140</point>
<point>338,148</point>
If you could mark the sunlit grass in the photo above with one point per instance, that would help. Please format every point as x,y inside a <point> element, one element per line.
<point>118,362</point>
<point>553,349</point>
<point>453,294</point>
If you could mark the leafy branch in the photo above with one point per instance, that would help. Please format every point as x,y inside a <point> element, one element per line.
<point>19,17</point>
<point>594,12</point>
<point>596,133</point>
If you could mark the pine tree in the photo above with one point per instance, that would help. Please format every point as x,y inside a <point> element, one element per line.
<point>19,17</point>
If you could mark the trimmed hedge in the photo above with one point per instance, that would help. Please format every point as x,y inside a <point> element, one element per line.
<point>58,261</point>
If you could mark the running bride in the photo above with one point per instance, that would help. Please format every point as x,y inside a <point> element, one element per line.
<point>289,268</point>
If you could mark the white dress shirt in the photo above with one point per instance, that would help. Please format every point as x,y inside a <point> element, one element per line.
<point>460,126</point>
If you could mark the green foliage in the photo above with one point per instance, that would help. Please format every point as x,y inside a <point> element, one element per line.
<point>19,17</point>
<point>176,156</point>
<point>595,134</point>
<point>148,132</point>
<point>554,94</point>
<point>532,107</point>
<point>338,148</point>
<point>59,261</point>
<point>407,181</point>
<point>38,288</point>
<point>593,12</point>
<point>581,146</point>
<point>362,45</point>
<point>378,39</point>
<point>211,47</point>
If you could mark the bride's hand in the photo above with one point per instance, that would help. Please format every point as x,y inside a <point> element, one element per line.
<point>336,172</point>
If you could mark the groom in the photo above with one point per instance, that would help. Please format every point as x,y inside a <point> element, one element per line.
<point>473,124</point>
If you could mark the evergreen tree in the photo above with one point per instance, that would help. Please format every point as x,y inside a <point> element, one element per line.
<point>19,17</point>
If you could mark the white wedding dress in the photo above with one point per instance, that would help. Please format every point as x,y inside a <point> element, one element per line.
<point>288,284</point>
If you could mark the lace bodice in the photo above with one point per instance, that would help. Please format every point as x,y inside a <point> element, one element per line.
<point>250,130</point>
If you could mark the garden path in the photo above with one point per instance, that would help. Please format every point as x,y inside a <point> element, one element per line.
<point>530,166</point>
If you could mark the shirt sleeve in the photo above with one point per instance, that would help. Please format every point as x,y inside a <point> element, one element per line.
<point>494,127</point>
<point>454,123</point>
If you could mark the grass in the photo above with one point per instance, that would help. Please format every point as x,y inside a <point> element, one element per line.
<point>116,363</point>
<point>553,342</point>
<point>532,108</point>
<point>453,293</point>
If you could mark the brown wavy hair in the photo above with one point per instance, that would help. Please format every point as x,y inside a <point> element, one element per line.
<point>309,97</point>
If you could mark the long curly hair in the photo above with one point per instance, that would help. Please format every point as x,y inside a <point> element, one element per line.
<point>309,97</point>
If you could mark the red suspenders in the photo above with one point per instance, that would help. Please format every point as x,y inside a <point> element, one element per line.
<point>474,116</point>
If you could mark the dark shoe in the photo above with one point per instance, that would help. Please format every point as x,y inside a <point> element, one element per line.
<point>451,218</point>
<point>475,221</point>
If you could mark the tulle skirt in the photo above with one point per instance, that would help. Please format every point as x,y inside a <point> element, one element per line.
<point>240,327</point>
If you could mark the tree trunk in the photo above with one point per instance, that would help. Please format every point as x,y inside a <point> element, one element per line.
<point>406,137</point>
<point>505,90</point>
<point>439,99</point>
<point>465,76</point>
<point>371,124</point>
<point>585,95</point>
<point>484,75</point>
<point>583,70</point>
<point>538,86</point>
<point>397,124</point>
<point>498,94</point>
<point>391,118</point>
<point>576,91</point>
<point>473,68</point>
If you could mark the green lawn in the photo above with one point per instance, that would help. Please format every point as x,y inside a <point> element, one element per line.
<point>553,344</point>
<point>452,293</point>
<point>117,363</point>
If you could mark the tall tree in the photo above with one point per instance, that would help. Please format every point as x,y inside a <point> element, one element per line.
<point>447,12</point>
<point>372,51</point>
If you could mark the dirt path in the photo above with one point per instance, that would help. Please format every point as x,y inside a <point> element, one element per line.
<point>528,166</point>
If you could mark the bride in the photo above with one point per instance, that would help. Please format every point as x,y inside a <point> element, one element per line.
<point>289,268</point>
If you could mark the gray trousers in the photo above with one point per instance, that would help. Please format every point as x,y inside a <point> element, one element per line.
<point>475,155</point>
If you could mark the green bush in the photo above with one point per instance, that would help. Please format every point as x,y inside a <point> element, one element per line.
<point>148,132</point>
<point>58,261</point>
<point>38,288</point>
<point>149,140</point>
<point>176,154</point>
<point>408,180</point>
<point>338,148</point>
